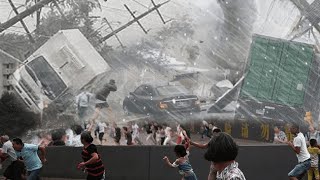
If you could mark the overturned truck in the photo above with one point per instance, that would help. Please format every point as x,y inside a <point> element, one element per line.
<point>61,67</point>
<point>281,84</point>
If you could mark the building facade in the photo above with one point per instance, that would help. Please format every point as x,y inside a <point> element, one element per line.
<point>7,67</point>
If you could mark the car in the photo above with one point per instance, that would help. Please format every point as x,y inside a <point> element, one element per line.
<point>161,100</point>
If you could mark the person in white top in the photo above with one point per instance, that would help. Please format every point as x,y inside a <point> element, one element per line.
<point>76,142</point>
<point>136,133</point>
<point>102,127</point>
<point>69,134</point>
<point>16,169</point>
<point>82,105</point>
<point>168,139</point>
<point>299,146</point>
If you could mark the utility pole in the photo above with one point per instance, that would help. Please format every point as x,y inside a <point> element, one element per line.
<point>136,19</point>
<point>105,19</point>
<point>38,16</point>
<point>22,22</point>
<point>23,14</point>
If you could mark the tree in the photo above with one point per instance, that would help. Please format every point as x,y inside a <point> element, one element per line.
<point>15,120</point>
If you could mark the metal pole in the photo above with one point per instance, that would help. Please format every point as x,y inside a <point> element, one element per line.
<point>131,22</point>
<point>23,14</point>
<point>22,22</point>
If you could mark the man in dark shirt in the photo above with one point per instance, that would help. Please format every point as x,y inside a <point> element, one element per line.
<point>101,101</point>
<point>128,136</point>
<point>117,134</point>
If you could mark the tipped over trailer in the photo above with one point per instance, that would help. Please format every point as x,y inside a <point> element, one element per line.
<point>62,66</point>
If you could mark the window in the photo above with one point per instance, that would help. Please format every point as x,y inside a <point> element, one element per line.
<point>139,91</point>
<point>144,91</point>
<point>51,82</point>
<point>172,90</point>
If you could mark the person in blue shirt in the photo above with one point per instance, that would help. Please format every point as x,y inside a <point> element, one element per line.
<point>29,154</point>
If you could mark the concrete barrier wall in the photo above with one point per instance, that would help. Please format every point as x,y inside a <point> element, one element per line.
<point>145,163</point>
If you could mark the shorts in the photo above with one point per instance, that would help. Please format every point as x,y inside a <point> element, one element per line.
<point>102,105</point>
<point>101,136</point>
<point>300,169</point>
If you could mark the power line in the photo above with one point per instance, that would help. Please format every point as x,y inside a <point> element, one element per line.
<point>140,4</point>
<point>149,8</point>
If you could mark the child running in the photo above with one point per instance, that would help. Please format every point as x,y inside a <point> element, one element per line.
<point>185,168</point>
<point>314,152</point>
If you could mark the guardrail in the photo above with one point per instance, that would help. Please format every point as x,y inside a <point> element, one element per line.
<point>145,162</point>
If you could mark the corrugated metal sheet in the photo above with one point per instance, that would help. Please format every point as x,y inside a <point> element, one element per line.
<point>277,71</point>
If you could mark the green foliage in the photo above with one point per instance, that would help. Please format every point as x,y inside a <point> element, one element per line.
<point>76,15</point>
<point>15,44</point>
<point>15,120</point>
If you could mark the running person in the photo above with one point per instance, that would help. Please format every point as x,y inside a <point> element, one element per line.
<point>31,159</point>
<point>213,172</point>
<point>136,133</point>
<point>102,127</point>
<point>101,100</point>
<point>299,146</point>
<point>185,168</point>
<point>92,162</point>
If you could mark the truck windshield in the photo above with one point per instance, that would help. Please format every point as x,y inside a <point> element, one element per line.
<point>52,84</point>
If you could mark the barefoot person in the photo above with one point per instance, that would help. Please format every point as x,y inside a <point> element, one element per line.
<point>92,162</point>
<point>182,163</point>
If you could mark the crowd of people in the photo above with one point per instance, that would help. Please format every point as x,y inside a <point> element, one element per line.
<point>26,163</point>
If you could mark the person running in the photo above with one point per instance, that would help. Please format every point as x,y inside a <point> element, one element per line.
<point>101,100</point>
<point>182,163</point>
<point>117,134</point>
<point>92,162</point>
<point>82,105</point>
<point>299,146</point>
<point>162,134</point>
<point>127,135</point>
<point>168,139</point>
<point>205,129</point>
<point>185,136</point>
<point>136,133</point>
<point>101,127</point>
<point>149,129</point>
<point>314,153</point>
<point>15,170</point>
<point>222,152</point>
<point>213,172</point>
<point>29,154</point>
